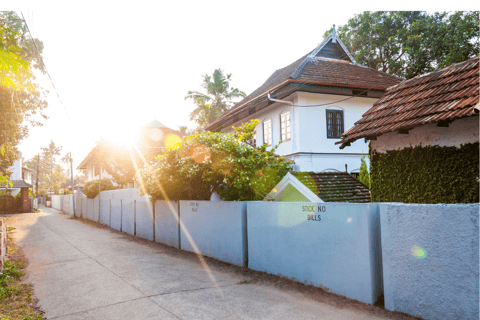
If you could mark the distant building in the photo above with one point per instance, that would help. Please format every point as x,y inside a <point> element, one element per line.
<point>152,140</point>
<point>21,182</point>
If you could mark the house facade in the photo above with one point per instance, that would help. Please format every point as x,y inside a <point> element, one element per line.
<point>424,137</point>
<point>308,104</point>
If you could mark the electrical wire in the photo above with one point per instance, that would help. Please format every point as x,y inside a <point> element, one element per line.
<point>45,67</point>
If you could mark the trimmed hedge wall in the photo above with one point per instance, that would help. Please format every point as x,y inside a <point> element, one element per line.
<point>430,174</point>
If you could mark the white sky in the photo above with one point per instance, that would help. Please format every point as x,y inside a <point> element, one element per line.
<point>117,67</point>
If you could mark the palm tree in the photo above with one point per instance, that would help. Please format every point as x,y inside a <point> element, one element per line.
<point>50,152</point>
<point>216,101</point>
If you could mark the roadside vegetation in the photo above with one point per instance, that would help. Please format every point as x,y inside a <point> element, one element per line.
<point>214,162</point>
<point>16,297</point>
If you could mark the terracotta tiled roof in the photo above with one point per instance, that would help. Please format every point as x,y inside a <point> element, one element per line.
<point>319,70</point>
<point>17,184</point>
<point>335,186</point>
<point>437,97</point>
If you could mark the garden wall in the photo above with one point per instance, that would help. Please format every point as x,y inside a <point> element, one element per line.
<point>430,259</point>
<point>332,245</point>
<point>215,229</point>
<point>424,256</point>
<point>57,202</point>
<point>166,223</point>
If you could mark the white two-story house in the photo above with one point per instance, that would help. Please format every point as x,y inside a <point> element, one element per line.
<point>309,104</point>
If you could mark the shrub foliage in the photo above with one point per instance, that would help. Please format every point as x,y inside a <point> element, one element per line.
<point>208,162</point>
<point>431,174</point>
<point>91,188</point>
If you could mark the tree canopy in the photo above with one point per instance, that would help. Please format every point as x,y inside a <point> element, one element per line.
<point>20,96</point>
<point>411,43</point>
<point>217,99</point>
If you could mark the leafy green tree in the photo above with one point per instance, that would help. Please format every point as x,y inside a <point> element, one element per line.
<point>364,175</point>
<point>411,43</point>
<point>20,96</point>
<point>217,99</point>
<point>208,162</point>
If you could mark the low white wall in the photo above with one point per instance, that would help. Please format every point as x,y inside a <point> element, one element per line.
<point>94,216</point>
<point>128,216</point>
<point>116,214</point>
<point>217,229</point>
<point>166,223</point>
<point>105,211</point>
<point>144,220</point>
<point>431,259</point>
<point>66,204</point>
<point>326,244</point>
<point>57,202</point>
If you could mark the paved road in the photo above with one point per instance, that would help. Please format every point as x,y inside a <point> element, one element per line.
<point>83,272</point>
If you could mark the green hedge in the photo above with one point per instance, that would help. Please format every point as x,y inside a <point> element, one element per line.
<point>429,174</point>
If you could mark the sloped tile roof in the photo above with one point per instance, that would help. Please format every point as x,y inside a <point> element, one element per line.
<point>443,95</point>
<point>17,184</point>
<point>312,70</point>
<point>335,186</point>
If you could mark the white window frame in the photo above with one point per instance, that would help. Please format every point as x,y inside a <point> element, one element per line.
<point>286,125</point>
<point>267,132</point>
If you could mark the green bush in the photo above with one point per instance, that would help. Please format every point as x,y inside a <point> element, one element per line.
<point>91,188</point>
<point>431,174</point>
<point>207,162</point>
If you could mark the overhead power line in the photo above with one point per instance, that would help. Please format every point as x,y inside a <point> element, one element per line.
<point>46,70</point>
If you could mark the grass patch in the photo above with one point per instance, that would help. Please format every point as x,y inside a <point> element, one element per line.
<point>16,297</point>
<point>245,281</point>
<point>10,228</point>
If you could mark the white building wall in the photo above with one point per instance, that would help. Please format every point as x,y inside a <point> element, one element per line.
<point>309,147</point>
<point>460,131</point>
<point>90,174</point>
<point>16,169</point>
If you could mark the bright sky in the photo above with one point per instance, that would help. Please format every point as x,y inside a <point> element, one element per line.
<point>116,68</point>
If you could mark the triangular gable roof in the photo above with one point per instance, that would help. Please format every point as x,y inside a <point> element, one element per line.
<point>330,64</point>
<point>289,180</point>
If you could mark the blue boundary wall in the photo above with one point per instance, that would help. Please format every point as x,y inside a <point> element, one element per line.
<point>94,215</point>
<point>104,211</point>
<point>144,220</point>
<point>116,214</point>
<point>167,223</point>
<point>431,259</point>
<point>325,244</point>
<point>128,216</point>
<point>217,229</point>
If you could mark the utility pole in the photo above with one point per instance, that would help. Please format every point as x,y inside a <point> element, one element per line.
<point>73,190</point>
<point>99,181</point>
<point>36,182</point>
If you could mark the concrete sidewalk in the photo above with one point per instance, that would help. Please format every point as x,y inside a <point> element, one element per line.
<point>83,272</point>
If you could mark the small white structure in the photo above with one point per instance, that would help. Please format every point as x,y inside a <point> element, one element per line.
<point>292,190</point>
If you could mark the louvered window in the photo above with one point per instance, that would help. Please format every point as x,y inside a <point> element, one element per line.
<point>285,126</point>
<point>334,123</point>
<point>267,132</point>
